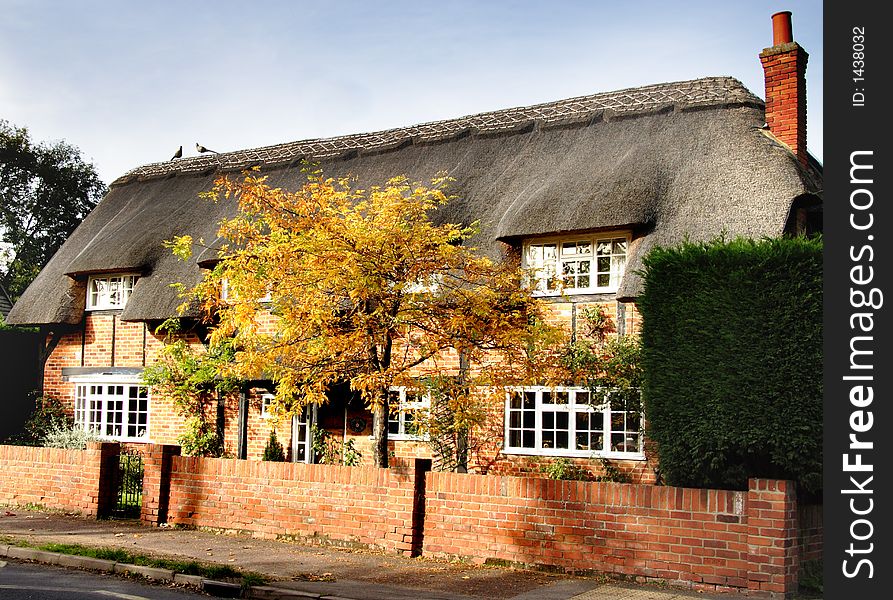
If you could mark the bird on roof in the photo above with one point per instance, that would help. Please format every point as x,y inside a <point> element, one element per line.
<point>178,153</point>
<point>202,150</point>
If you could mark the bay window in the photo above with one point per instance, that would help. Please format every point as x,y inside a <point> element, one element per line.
<point>118,411</point>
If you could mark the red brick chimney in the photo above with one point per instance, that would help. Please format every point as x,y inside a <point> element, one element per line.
<point>785,67</point>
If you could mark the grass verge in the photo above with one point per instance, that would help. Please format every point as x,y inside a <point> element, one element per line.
<point>184,567</point>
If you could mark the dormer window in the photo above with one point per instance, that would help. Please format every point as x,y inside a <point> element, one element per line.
<point>579,265</point>
<point>109,292</point>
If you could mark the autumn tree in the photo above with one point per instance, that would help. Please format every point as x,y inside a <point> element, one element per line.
<point>363,287</point>
<point>46,191</point>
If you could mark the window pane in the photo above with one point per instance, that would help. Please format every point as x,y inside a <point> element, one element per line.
<point>617,443</point>
<point>597,441</point>
<point>529,400</point>
<point>604,281</point>
<point>561,439</point>
<point>529,419</point>
<point>515,438</point>
<point>515,400</point>
<point>528,439</point>
<point>554,397</point>
<point>561,420</point>
<point>514,419</point>
<point>617,421</point>
<point>548,420</point>
<point>548,439</point>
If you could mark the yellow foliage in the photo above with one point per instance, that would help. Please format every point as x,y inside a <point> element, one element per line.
<point>364,288</point>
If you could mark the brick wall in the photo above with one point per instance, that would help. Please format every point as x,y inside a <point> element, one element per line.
<point>706,539</point>
<point>71,480</point>
<point>363,506</point>
<point>713,540</point>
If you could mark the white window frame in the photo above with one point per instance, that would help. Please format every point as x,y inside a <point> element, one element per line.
<point>534,425</point>
<point>94,408</point>
<point>265,401</point>
<point>403,411</point>
<point>545,275</point>
<point>103,299</point>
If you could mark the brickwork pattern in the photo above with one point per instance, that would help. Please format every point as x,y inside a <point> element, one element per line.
<point>772,538</point>
<point>706,539</point>
<point>156,481</point>
<point>71,480</point>
<point>713,540</point>
<point>360,506</point>
<point>785,70</point>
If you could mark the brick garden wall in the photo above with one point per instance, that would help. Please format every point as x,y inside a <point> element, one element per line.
<point>715,540</point>
<point>707,539</point>
<point>365,506</point>
<point>71,480</point>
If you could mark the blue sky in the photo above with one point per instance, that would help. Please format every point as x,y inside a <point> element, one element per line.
<point>128,82</point>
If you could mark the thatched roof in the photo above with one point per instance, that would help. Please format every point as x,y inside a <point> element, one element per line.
<point>669,161</point>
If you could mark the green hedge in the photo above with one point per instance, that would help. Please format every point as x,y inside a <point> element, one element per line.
<point>732,353</point>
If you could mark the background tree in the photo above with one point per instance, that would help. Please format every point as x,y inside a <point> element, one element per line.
<point>364,287</point>
<point>46,190</point>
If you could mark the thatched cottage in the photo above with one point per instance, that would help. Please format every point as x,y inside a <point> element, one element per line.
<point>603,177</point>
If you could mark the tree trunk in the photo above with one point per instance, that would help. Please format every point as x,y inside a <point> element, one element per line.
<point>462,451</point>
<point>380,432</point>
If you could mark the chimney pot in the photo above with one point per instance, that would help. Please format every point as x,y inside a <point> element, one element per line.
<point>782,32</point>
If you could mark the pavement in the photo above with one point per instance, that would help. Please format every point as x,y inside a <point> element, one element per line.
<point>299,570</point>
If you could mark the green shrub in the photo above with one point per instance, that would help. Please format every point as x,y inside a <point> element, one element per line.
<point>563,468</point>
<point>273,450</point>
<point>200,439</point>
<point>732,357</point>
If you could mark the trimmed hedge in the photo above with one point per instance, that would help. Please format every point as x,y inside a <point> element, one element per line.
<point>732,354</point>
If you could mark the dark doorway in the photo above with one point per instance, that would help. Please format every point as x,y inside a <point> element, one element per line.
<point>422,467</point>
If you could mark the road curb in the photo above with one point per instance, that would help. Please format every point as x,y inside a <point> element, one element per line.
<point>148,572</point>
<point>267,592</point>
<point>89,563</point>
<point>85,562</point>
<point>50,558</point>
<point>220,588</point>
<point>193,580</point>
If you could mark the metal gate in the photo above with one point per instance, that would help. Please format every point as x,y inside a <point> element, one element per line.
<point>128,486</point>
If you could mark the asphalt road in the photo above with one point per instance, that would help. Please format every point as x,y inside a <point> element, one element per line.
<point>28,581</point>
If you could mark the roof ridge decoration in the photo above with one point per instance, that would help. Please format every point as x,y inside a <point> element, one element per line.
<point>680,95</point>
